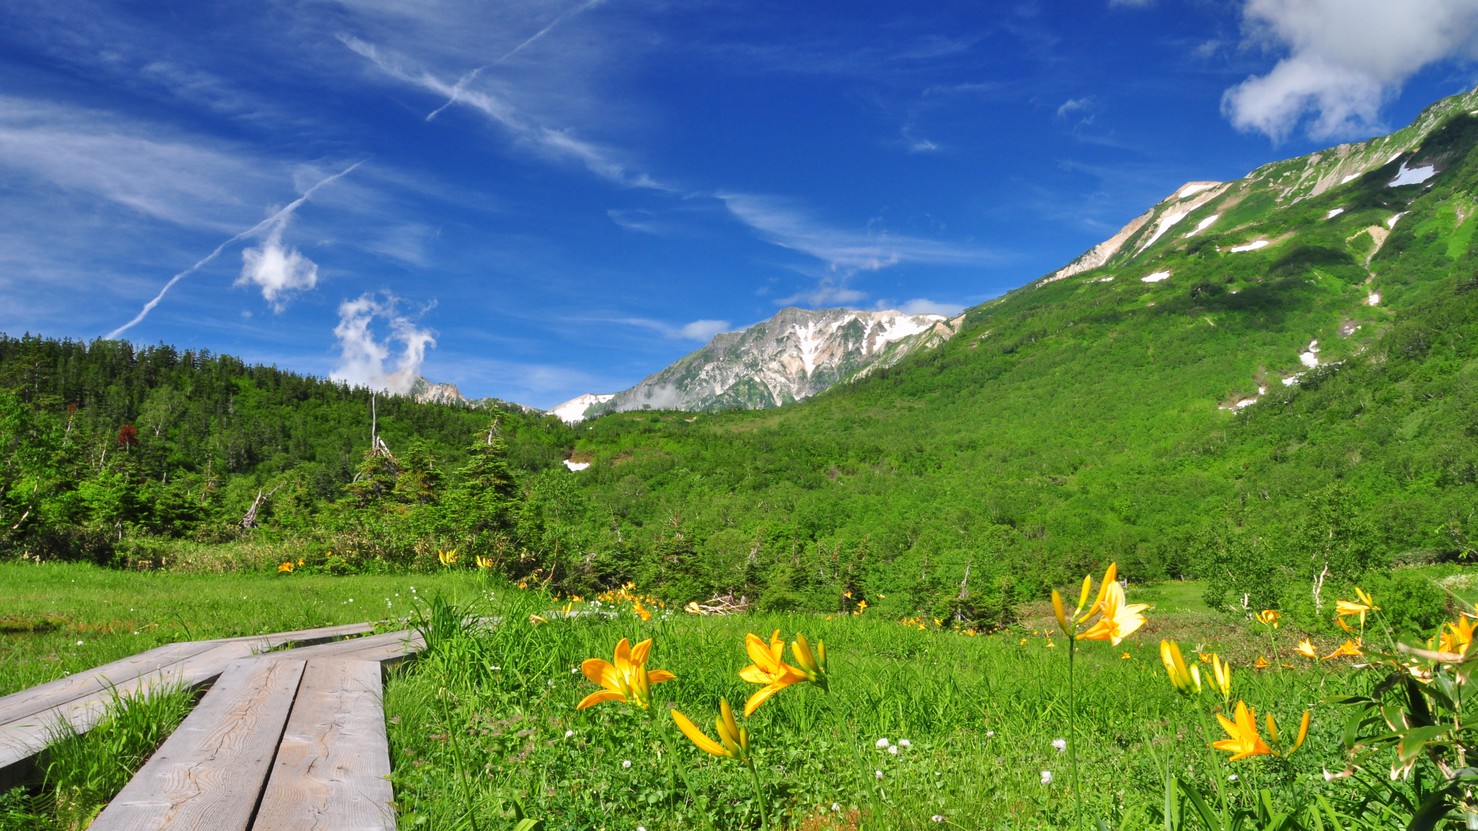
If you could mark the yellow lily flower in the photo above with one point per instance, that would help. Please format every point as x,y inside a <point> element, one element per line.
<point>1350,608</point>
<point>1306,648</point>
<point>1261,663</point>
<point>625,680</point>
<point>1457,637</point>
<point>1221,672</point>
<point>733,740</point>
<point>769,668</point>
<point>285,568</point>
<point>1298,741</point>
<point>640,610</point>
<point>1187,681</point>
<point>1117,620</point>
<point>1269,617</point>
<point>1244,740</point>
<point>812,663</point>
<point>1348,648</point>
<point>1110,578</point>
<point>447,557</point>
<point>484,562</point>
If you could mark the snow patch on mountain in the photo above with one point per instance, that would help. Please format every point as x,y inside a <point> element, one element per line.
<point>1250,246</point>
<point>1203,225</point>
<point>573,411</point>
<point>1310,356</point>
<point>1412,175</point>
<point>1157,277</point>
<point>1334,212</point>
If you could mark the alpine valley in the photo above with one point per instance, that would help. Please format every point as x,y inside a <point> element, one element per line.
<point>1270,383</point>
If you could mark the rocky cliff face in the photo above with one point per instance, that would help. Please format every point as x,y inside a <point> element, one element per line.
<point>788,358</point>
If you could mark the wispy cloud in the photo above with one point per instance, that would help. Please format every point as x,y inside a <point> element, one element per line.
<point>1344,60</point>
<point>925,306</point>
<point>366,358</point>
<point>554,143</point>
<point>524,44</point>
<point>781,223</point>
<point>273,225</point>
<point>698,330</point>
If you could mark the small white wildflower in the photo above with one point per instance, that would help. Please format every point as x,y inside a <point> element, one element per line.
<point>641,828</point>
<point>835,808</point>
<point>905,743</point>
<point>1232,778</point>
<point>79,643</point>
<point>1060,744</point>
<point>882,743</point>
<point>574,670</point>
<point>551,682</point>
<point>1046,777</point>
<point>937,818</point>
<point>625,764</point>
<point>877,774</point>
<point>893,750</point>
<point>569,733</point>
<point>990,734</point>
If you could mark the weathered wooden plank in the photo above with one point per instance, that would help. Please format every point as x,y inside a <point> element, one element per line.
<point>26,703</point>
<point>307,637</point>
<point>333,763</point>
<point>24,738</point>
<point>386,647</point>
<point>210,772</point>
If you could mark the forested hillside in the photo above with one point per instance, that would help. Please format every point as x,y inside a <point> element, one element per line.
<point>104,446</point>
<point>1270,383</point>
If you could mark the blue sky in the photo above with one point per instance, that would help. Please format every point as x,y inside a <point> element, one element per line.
<point>538,198</point>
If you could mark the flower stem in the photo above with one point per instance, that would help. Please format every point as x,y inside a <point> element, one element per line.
<point>1072,730</point>
<point>759,795</point>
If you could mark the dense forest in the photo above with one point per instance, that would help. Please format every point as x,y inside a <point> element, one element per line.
<point>1103,416</point>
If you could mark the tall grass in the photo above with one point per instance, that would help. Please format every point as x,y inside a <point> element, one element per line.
<point>80,773</point>
<point>969,724</point>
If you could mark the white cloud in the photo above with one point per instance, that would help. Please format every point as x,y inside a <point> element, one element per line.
<point>704,330</point>
<point>1073,105</point>
<point>1344,60</point>
<point>365,358</point>
<point>277,269</point>
<point>829,292</point>
<point>275,221</point>
<point>698,330</point>
<point>925,306</point>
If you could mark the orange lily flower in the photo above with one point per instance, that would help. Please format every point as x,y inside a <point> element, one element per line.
<point>769,668</point>
<point>1117,620</point>
<point>1244,740</point>
<point>628,679</point>
<point>1348,648</point>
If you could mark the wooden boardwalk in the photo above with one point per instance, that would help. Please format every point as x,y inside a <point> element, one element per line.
<point>286,739</point>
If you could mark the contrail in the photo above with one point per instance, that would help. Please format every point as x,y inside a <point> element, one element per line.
<point>471,76</point>
<point>260,226</point>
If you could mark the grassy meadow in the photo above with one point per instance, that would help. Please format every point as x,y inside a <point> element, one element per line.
<point>919,726</point>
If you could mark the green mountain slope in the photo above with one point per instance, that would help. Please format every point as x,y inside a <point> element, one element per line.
<point>1097,414</point>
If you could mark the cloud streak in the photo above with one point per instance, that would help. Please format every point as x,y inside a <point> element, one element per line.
<point>550,142</point>
<point>783,224</point>
<point>526,43</point>
<point>273,224</point>
<point>1345,59</point>
<point>698,330</point>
